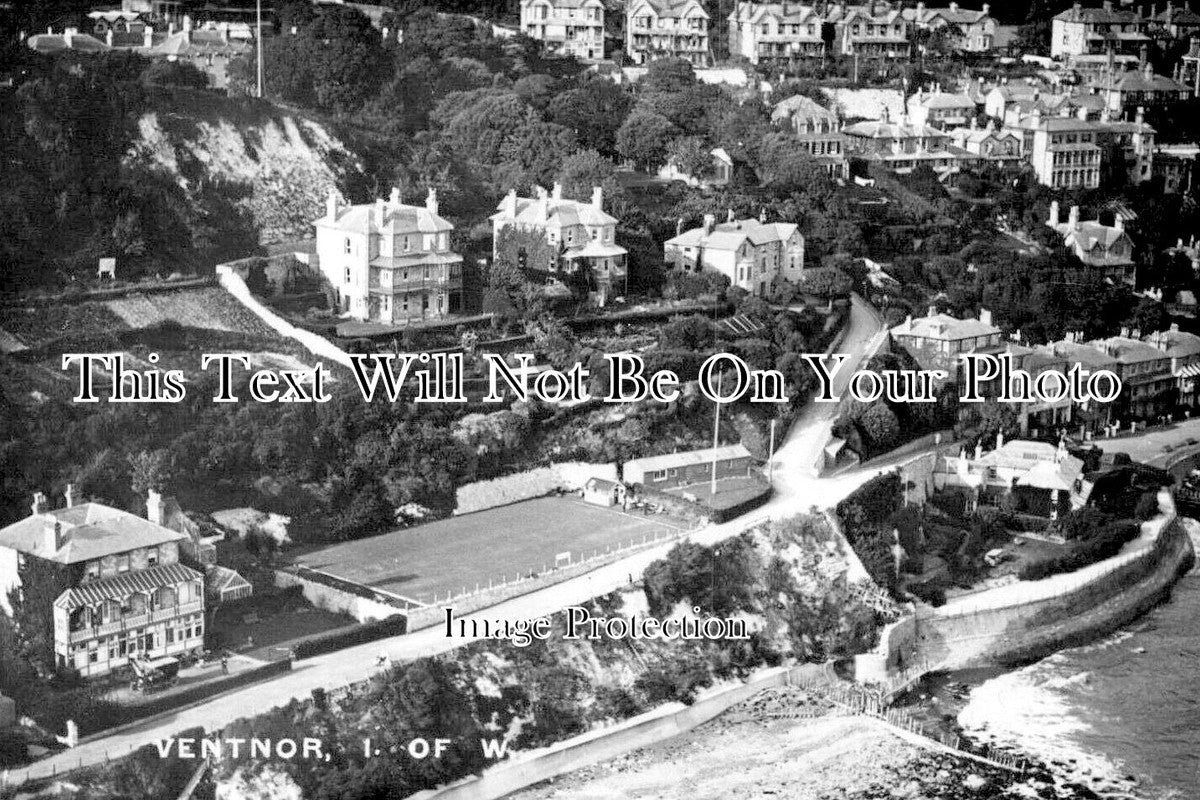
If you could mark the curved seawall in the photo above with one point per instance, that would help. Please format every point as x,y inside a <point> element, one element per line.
<point>1026,621</point>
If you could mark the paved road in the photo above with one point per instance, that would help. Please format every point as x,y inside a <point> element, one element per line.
<point>797,490</point>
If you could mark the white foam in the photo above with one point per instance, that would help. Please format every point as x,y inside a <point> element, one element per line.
<point>1030,711</point>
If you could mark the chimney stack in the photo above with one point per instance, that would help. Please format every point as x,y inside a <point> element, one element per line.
<point>679,229</point>
<point>331,205</point>
<point>710,222</point>
<point>40,506</point>
<point>431,201</point>
<point>1118,222</point>
<point>394,198</point>
<point>932,311</point>
<point>985,316</point>
<point>556,192</point>
<point>597,198</point>
<point>1073,219</point>
<point>108,37</point>
<point>69,495</point>
<point>154,507</point>
<point>148,36</point>
<point>510,204</point>
<point>1053,221</point>
<point>52,536</point>
<point>729,215</point>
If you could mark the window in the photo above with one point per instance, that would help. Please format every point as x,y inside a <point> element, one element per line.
<point>152,556</point>
<point>658,475</point>
<point>123,563</point>
<point>347,274</point>
<point>346,246</point>
<point>93,569</point>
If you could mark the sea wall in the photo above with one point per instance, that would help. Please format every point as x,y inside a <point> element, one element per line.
<point>1023,622</point>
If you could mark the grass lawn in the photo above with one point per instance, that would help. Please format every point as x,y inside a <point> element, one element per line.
<point>262,626</point>
<point>502,542</point>
<point>730,492</point>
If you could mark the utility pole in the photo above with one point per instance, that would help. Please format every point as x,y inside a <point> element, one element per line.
<point>771,455</point>
<point>258,36</point>
<point>716,430</point>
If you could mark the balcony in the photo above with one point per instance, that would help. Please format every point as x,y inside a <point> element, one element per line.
<point>133,622</point>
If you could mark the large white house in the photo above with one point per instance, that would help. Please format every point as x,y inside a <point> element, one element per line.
<point>752,253</point>
<point>570,27</point>
<point>775,31</point>
<point>667,29</point>
<point>582,234</point>
<point>389,262</point>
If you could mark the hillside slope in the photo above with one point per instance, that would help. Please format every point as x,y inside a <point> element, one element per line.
<point>276,165</point>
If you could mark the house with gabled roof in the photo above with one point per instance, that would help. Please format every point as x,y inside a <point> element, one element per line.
<point>1105,247</point>
<point>1183,349</point>
<point>765,32</point>
<point>1175,22</point>
<point>388,261</point>
<point>972,31</point>
<point>940,109</point>
<point>581,234</point>
<point>1080,31</point>
<point>125,595</point>
<point>1035,477</point>
<point>936,340</point>
<point>753,253</point>
<point>568,27</point>
<point>1148,387</point>
<point>667,29</point>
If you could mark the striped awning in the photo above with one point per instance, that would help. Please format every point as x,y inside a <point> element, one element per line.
<point>119,587</point>
<point>1190,371</point>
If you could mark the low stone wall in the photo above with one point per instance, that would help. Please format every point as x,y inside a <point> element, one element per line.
<point>570,476</point>
<point>1023,622</point>
<point>331,598</point>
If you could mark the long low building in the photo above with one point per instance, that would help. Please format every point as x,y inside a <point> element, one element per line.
<point>689,467</point>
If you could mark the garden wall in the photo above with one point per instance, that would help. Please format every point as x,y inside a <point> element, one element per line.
<point>569,476</point>
<point>338,600</point>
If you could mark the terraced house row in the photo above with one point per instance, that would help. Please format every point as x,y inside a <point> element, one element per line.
<point>794,31</point>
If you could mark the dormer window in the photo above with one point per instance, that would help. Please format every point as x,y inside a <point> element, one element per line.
<point>152,557</point>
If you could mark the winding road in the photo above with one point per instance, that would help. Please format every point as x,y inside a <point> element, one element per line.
<point>797,489</point>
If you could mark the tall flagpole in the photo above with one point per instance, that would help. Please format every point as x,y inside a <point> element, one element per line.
<point>258,13</point>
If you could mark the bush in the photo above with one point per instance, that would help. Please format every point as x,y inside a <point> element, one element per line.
<point>346,637</point>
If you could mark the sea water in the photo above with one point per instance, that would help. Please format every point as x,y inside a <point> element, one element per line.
<point>1125,706</point>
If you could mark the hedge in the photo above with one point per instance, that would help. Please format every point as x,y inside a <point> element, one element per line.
<point>348,637</point>
<point>1104,543</point>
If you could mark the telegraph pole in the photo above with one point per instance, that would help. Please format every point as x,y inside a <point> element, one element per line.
<point>258,36</point>
<point>771,455</point>
<point>716,430</point>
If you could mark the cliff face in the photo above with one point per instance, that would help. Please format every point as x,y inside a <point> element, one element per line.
<point>276,167</point>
